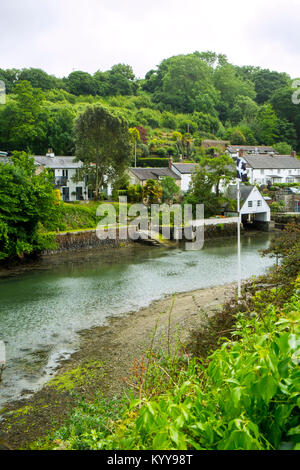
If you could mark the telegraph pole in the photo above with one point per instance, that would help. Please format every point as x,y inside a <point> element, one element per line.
<point>238,238</point>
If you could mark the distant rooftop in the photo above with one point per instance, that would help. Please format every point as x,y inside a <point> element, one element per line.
<point>185,168</point>
<point>245,190</point>
<point>250,148</point>
<point>55,162</point>
<point>267,161</point>
<point>153,173</point>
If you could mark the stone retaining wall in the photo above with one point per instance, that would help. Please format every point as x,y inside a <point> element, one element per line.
<point>85,240</point>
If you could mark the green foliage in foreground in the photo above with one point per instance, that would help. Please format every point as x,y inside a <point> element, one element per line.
<point>26,200</point>
<point>246,396</point>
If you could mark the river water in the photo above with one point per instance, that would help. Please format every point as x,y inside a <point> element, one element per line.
<point>42,309</point>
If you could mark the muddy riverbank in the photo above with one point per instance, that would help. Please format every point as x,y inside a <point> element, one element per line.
<point>104,359</point>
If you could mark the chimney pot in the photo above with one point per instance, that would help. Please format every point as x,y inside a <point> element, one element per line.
<point>50,153</point>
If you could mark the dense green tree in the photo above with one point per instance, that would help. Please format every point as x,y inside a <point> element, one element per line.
<point>230,86</point>
<point>236,136</point>
<point>267,82</point>
<point>23,121</point>
<point>288,113</point>
<point>38,78</point>
<point>148,117</point>
<point>103,144</point>
<point>26,199</point>
<point>119,80</point>
<point>169,189</point>
<point>180,81</point>
<point>9,77</point>
<point>245,109</point>
<point>266,125</point>
<point>286,132</point>
<point>207,123</point>
<point>283,148</point>
<point>81,83</point>
<point>168,120</point>
<point>60,129</point>
<point>122,80</point>
<point>201,192</point>
<point>219,168</point>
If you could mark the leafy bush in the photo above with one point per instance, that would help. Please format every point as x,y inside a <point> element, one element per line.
<point>161,151</point>
<point>26,200</point>
<point>135,193</point>
<point>277,206</point>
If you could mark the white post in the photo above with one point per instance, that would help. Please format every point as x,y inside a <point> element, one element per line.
<point>239,238</point>
<point>135,154</point>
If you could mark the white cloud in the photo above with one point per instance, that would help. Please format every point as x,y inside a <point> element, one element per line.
<point>62,35</point>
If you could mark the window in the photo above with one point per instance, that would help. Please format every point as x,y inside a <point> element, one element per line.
<point>258,203</point>
<point>262,172</point>
<point>65,174</point>
<point>289,180</point>
<point>250,204</point>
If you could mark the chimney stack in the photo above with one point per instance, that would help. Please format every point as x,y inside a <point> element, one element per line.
<point>170,162</point>
<point>241,153</point>
<point>293,154</point>
<point>50,153</point>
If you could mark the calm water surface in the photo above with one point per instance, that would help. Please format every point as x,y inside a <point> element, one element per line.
<point>41,310</point>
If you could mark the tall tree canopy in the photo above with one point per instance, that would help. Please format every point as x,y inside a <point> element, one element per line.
<point>103,144</point>
<point>201,93</point>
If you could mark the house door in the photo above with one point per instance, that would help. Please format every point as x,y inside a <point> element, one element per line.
<point>65,194</point>
<point>79,196</point>
<point>297,209</point>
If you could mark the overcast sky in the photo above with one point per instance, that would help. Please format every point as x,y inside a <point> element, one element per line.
<point>64,35</point>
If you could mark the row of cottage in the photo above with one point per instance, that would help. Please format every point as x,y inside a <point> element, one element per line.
<point>263,166</point>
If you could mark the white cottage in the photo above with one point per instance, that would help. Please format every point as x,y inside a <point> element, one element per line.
<point>253,206</point>
<point>184,171</point>
<point>64,169</point>
<point>264,169</point>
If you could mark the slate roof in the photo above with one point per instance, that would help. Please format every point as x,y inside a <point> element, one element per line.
<point>250,148</point>
<point>153,173</point>
<point>245,190</point>
<point>185,168</point>
<point>272,162</point>
<point>57,162</point>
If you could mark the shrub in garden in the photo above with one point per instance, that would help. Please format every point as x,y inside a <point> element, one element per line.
<point>26,200</point>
